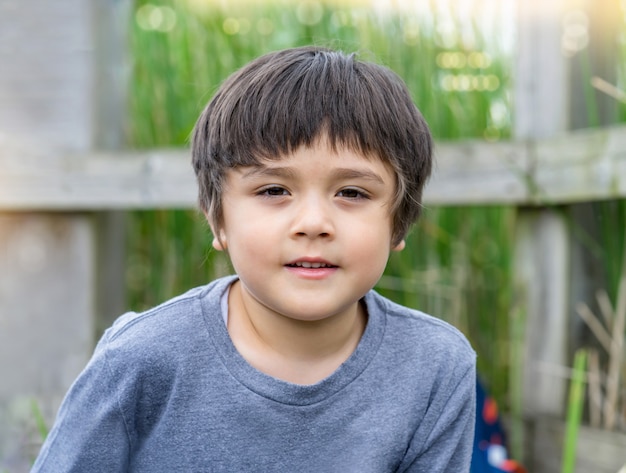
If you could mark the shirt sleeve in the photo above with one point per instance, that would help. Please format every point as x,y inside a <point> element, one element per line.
<point>90,432</point>
<point>444,440</point>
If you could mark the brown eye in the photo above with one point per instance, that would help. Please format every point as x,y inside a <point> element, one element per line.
<point>351,193</point>
<point>274,191</point>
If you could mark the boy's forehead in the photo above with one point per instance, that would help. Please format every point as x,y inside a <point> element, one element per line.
<point>343,155</point>
<point>343,163</point>
<point>321,144</point>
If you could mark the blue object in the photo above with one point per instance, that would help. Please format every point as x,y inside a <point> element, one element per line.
<point>490,454</point>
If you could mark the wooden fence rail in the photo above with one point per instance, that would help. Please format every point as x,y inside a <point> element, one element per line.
<point>578,166</point>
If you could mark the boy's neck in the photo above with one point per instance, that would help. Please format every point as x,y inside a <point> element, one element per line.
<point>300,352</point>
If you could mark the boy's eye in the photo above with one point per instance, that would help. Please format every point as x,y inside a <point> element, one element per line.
<point>351,193</point>
<point>274,191</point>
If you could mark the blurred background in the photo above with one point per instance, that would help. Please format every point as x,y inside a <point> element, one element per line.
<point>461,62</point>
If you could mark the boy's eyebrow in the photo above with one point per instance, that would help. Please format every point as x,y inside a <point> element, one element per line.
<point>286,172</point>
<point>268,171</point>
<point>351,173</point>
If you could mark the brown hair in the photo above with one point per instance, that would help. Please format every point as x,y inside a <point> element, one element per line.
<point>291,98</point>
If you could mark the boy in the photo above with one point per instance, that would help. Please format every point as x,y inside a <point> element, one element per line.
<point>310,166</point>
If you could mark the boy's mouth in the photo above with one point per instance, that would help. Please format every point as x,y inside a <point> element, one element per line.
<point>310,264</point>
<point>306,264</point>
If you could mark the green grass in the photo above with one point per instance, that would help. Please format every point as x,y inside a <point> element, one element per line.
<point>42,427</point>
<point>575,405</point>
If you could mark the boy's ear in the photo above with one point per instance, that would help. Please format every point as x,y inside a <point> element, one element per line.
<point>219,244</point>
<point>219,239</point>
<point>399,247</point>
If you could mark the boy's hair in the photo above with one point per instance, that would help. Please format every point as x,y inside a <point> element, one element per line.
<point>291,98</point>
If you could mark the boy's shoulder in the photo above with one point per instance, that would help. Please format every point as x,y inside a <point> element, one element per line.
<point>418,331</point>
<point>180,316</point>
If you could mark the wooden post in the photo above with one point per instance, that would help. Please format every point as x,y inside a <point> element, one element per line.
<point>540,99</point>
<point>110,20</point>
<point>48,278</point>
<point>542,272</point>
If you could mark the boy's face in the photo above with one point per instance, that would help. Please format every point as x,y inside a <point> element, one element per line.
<point>309,234</point>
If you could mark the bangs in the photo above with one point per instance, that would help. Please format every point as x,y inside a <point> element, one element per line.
<point>269,110</point>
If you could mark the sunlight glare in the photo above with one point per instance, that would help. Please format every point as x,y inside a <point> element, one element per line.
<point>575,32</point>
<point>309,12</point>
<point>231,26</point>
<point>156,18</point>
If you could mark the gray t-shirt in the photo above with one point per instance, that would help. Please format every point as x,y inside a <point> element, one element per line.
<point>166,390</point>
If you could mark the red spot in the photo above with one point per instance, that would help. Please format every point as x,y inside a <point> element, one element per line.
<point>512,466</point>
<point>490,411</point>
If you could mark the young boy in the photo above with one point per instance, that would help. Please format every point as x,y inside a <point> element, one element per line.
<point>310,166</point>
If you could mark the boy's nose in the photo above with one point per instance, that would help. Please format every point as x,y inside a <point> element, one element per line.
<point>313,219</point>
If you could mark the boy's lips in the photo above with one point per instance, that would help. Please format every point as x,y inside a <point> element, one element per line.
<point>310,263</point>
<point>312,269</point>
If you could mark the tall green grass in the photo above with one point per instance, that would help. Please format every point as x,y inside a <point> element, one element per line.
<point>457,261</point>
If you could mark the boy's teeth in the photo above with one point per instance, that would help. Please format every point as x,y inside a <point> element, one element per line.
<point>306,264</point>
